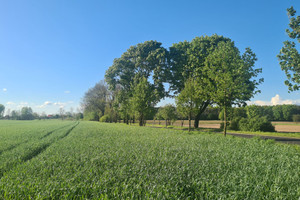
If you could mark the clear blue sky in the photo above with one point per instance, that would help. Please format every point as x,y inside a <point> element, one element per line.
<point>52,52</point>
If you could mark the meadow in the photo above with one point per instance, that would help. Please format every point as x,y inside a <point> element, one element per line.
<point>92,160</point>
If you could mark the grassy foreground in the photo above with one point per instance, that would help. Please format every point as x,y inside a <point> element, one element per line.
<point>92,160</point>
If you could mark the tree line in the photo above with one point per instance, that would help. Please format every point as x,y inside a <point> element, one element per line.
<point>208,71</point>
<point>26,113</point>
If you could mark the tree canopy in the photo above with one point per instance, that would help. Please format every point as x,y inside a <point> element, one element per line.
<point>94,101</point>
<point>2,108</point>
<point>187,60</point>
<point>289,56</point>
<point>231,76</point>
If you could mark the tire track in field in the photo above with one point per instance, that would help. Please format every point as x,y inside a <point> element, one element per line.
<point>35,152</point>
<point>11,147</point>
<point>49,133</point>
<point>25,141</point>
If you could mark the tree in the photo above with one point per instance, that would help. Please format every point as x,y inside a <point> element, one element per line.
<point>187,101</point>
<point>158,116</point>
<point>168,113</point>
<point>187,59</point>
<point>15,115</point>
<point>143,99</point>
<point>277,112</point>
<point>289,56</point>
<point>2,108</point>
<point>62,113</point>
<point>27,113</point>
<point>146,60</point>
<point>231,76</point>
<point>94,101</point>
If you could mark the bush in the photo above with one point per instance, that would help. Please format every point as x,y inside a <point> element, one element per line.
<point>105,118</point>
<point>296,118</point>
<point>232,125</point>
<point>256,124</point>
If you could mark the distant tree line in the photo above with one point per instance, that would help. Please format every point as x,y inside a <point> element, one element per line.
<point>26,113</point>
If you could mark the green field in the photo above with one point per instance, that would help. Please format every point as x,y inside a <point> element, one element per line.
<point>91,160</point>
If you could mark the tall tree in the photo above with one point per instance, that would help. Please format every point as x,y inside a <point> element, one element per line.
<point>27,113</point>
<point>143,99</point>
<point>2,108</point>
<point>233,76</point>
<point>145,60</point>
<point>289,56</point>
<point>187,101</point>
<point>168,113</point>
<point>94,101</point>
<point>187,60</point>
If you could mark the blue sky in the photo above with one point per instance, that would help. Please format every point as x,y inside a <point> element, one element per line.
<point>52,52</point>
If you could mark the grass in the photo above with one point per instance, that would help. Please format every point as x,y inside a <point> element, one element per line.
<point>93,160</point>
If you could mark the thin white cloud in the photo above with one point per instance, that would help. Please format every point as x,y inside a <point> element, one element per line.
<point>67,92</point>
<point>277,100</point>
<point>46,103</point>
<point>60,104</point>
<point>10,103</point>
<point>4,89</point>
<point>23,104</point>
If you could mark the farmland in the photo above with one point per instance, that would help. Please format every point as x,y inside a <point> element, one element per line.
<point>291,127</point>
<point>91,160</point>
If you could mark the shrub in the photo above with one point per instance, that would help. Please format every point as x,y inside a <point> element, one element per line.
<point>296,118</point>
<point>256,124</point>
<point>105,118</point>
<point>232,125</point>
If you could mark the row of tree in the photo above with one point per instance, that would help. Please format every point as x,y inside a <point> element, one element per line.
<point>208,71</point>
<point>26,113</point>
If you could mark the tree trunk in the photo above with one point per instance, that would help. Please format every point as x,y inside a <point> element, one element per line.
<point>166,123</point>
<point>200,111</point>
<point>182,122</point>
<point>189,122</point>
<point>141,118</point>
<point>225,121</point>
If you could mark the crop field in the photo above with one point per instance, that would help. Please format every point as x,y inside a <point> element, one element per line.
<point>92,160</point>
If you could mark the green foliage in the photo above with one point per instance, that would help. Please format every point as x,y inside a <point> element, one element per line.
<point>277,113</point>
<point>256,124</point>
<point>168,113</point>
<point>254,111</point>
<point>112,161</point>
<point>105,118</point>
<point>92,115</point>
<point>187,60</point>
<point>289,56</point>
<point>288,112</point>
<point>210,113</point>
<point>188,100</point>
<point>144,60</point>
<point>26,114</point>
<point>95,100</point>
<point>232,75</point>
<point>296,118</point>
<point>143,99</point>
<point>2,108</point>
